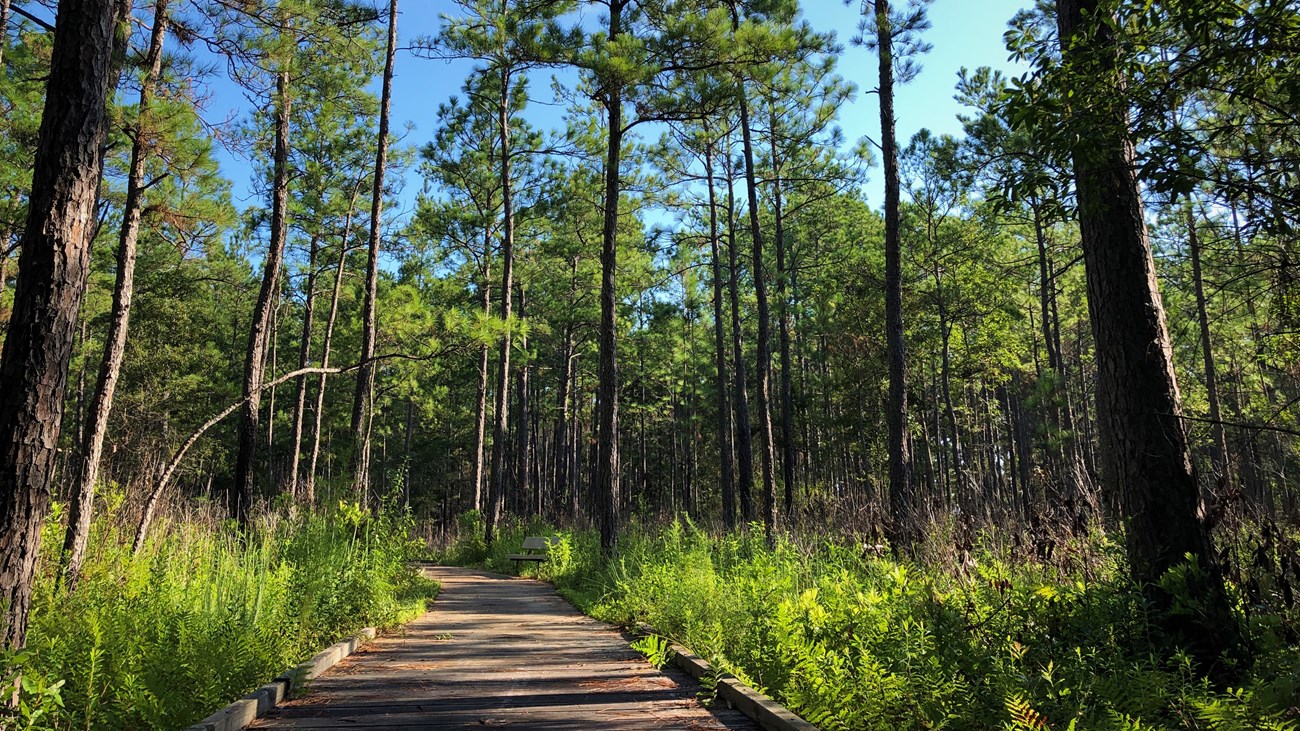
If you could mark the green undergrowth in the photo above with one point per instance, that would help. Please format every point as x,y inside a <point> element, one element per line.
<point>204,614</point>
<point>854,640</point>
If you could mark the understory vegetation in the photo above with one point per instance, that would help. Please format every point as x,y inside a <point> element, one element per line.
<point>993,637</point>
<point>203,614</point>
<point>1005,370</point>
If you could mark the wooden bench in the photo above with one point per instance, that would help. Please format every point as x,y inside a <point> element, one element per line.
<point>535,549</point>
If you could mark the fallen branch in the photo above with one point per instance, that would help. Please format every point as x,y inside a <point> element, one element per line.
<point>146,517</point>
<point>151,503</point>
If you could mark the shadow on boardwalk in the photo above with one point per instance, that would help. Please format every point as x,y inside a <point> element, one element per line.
<point>500,651</point>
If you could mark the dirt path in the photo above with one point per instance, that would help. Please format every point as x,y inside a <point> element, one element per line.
<point>500,651</point>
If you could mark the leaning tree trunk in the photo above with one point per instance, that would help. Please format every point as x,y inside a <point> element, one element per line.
<point>1147,462</point>
<point>82,499</point>
<point>52,273</point>
<point>241,492</point>
<point>168,471</point>
<point>366,376</point>
<point>726,472</point>
<point>901,523</point>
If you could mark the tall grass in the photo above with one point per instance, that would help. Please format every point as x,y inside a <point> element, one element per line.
<point>203,615</point>
<point>855,640</point>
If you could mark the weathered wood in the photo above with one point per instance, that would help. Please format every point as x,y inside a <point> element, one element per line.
<point>497,651</point>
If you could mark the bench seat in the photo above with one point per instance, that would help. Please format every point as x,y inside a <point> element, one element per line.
<point>535,549</point>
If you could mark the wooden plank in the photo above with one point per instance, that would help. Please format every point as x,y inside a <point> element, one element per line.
<point>501,651</point>
<point>536,543</point>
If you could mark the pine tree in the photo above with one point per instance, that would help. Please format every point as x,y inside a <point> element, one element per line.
<point>52,275</point>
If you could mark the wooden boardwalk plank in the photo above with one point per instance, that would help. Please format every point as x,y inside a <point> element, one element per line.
<point>498,651</point>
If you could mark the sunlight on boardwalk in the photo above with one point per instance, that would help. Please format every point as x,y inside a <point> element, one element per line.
<point>498,651</point>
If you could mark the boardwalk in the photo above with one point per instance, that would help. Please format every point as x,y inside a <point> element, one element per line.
<point>500,652</point>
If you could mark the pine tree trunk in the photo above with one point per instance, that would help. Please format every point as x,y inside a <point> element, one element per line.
<point>1219,443</point>
<point>86,468</point>
<point>273,359</point>
<point>564,501</point>
<point>523,437</point>
<point>726,472</point>
<point>1147,461</point>
<point>501,427</point>
<point>361,398</point>
<point>1052,343</point>
<point>304,360</point>
<point>606,492</point>
<point>406,454</point>
<point>744,433</point>
<point>52,273</point>
<point>783,326</point>
<point>961,484</point>
<point>308,496</point>
<point>763,366</point>
<point>4,46</point>
<point>480,415</point>
<point>241,491</point>
<point>901,528</point>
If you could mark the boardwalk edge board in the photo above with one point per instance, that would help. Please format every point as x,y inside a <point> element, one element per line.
<point>759,708</point>
<point>242,713</point>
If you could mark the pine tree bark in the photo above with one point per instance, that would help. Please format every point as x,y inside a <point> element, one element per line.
<point>607,457</point>
<point>523,437</point>
<point>308,496</point>
<point>1219,444</point>
<point>86,467</point>
<point>563,399</point>
<point>1147,461</point>
<point>901,528</point>
<point>501,427</point>
<point>4,46</point>
<point>304,360</point>
<point>406,454</point>
<point>763,366</point>
<point>726,470</point>
<point>480,415</point>
<point>52,273</point>
<point>369,327</point>
<point>241,491</point>
<point>744,433</point>
<point>783,331</point>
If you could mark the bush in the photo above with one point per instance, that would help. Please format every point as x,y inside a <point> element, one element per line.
<point>204,614</point>
<point>853,640</point>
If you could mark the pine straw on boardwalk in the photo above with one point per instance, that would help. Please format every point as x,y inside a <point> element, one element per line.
<point>503,652</point>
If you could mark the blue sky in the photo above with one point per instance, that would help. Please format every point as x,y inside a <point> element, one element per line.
<point>965,33</point>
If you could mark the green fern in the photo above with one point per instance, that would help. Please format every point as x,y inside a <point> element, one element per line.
<point>658,650</point>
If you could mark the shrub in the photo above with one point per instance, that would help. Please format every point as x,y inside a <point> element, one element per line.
<point>204,614</point>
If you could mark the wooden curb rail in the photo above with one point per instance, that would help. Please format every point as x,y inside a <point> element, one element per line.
<point>762,710</point>
<point>240,715</point>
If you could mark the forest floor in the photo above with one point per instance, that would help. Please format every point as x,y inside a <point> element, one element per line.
<point>500,651</point>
